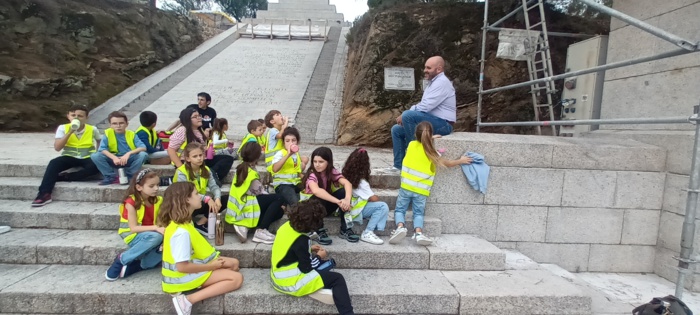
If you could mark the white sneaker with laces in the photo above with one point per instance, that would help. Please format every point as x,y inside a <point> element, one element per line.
<point>422,239</point>
<point>323,295</point>
<point>241,232</point>
<point>272,236</point>
<point>397,235</point>
<point>182,305</point>
<point>370,237</point>
<point>390,170</point>
<point>261,237</point>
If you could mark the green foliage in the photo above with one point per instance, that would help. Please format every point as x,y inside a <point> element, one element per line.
<point>183,7</point>
<point>240,9</point>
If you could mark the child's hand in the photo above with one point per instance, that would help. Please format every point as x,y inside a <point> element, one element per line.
<point>212,206</point>
<point>315,247</point>
<point>465,160</point>
<point>218,203</point>
<point>322,253</point>
<point>117,161</point>
<point>232,263</point>
<point>343,204</point>
<point>437,136</point>
<point>124,159</point>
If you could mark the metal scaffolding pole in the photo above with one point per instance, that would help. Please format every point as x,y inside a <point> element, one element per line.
<point>676,40</point>
<point>556,34</point>
<point>514,12</point>
<point>615,121</point>
<point>482,62</point>
<point>691,204</point>
<point>609,66</point>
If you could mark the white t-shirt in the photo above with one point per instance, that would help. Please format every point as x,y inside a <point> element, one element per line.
<point>272,138</point>
<point>61,132</point>
<point>180,246</point>
<point>363,190</point>
<point>279,155</point>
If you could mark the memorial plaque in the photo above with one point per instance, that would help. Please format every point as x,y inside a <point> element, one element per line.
<point>397,78</point>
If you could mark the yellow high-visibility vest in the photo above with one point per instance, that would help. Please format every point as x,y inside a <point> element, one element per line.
<point>79,148</point>
<point>417,171</point>
<point>124,230</point>
<point>112,140</point>
<point>200,185</point>
<point>243,209</point>
<point>289,279</point>
<point>289,173</point>
<point>202,253</point>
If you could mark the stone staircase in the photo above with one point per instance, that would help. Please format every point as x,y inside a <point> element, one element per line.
<point>53,262</point>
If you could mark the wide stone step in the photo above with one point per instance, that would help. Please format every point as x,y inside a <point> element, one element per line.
<point>26,188</point>
<point>99,247</point>
<point>71,289</point>
<point>378,179</point>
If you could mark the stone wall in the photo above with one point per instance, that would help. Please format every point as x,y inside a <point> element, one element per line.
<point>584,204</point>
<point>302,9</point>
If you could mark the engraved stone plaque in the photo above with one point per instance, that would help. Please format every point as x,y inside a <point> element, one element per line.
<point>397,78</point>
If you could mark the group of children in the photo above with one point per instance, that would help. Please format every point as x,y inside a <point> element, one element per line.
<point>168,230</point>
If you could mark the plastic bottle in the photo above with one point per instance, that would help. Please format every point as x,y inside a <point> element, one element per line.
<point>122,176</point>
<point>211,226</point>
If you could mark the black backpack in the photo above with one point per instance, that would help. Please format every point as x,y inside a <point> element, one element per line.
<point>672,306</point>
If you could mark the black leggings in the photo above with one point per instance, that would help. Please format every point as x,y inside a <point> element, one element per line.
<point>341,296</point>
<point>220,165</point>
<point>331,207</point>
<point>270,209</point>
<point>62,163</point>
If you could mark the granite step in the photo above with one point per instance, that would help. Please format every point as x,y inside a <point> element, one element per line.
<point>25,188</point>
<point>79,289</point>
<point>379,178</point>
<point>99,247</point>
<point>75,215</point>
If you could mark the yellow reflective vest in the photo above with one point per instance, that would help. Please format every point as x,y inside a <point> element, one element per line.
<point>289,173</point>
<point>152,137</point>
<point>224,145</point>
<point>124,230</point>
<point>112,140</point>
<point>417,171</point>
<point>249,138</point>
<point>289,279</point>
<point>200,183</point>
<point>79,148</point>
<point>202,253</point>
<point>243,209</point>
<point>270,152</point>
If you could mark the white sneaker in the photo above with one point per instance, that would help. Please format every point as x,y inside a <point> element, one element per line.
<point>390,170</point>
<point>323,295</point>
<point>422,239</point>
<point>4,229</point>
<point>182,305</point>
<point>272,236</point>
<point>397,235</point>
<point>261,237</point>
<point>241,232</point>
<point>370,237</point>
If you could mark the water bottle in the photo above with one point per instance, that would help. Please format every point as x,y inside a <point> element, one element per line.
<point>210,152</point>
<point>75,124</point>
<point>219,231</point>
<point>211,226</point>
<point>122,176</point>
<point>348,219</point>
<point>294,148</point>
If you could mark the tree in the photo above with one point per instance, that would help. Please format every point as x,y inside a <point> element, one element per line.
<point>241,9</point>
<point>184,7</point>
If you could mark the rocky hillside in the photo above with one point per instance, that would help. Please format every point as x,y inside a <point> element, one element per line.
<point>406,36</point>
<point>57,52</point>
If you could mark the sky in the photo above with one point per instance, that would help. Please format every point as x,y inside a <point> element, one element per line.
<point>350,8</point>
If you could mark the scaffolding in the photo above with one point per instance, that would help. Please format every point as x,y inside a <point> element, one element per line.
<point>685,47</point>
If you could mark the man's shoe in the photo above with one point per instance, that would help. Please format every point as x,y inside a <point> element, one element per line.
<point>323,237</point>
<point>397,235</point>
<point>116,270</point>
<point>41,200</point>
<point>349,235</point>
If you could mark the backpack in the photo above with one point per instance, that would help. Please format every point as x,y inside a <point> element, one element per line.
<point>668,305</point>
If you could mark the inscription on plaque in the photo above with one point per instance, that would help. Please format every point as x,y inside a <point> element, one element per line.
<point>398,78</point>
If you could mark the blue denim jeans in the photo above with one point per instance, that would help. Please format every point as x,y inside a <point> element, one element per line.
<point>403,201</point>
<point>144,246</point>
<point>402,134</point>
<point>106,166</point>
<point>377,213</point>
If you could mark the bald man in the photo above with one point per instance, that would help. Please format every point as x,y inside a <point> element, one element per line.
<point>438,106</point>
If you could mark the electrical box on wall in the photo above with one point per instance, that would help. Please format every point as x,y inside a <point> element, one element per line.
<point>582,95</point>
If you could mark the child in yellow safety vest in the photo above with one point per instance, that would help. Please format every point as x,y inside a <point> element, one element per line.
<point>137,227</point>
<point>276,124</point>
<point>417,174</point>
<point>255,131</point>
<point>294,262</point>
<point>365,204</point>
<point>222,145</point>
<point>189,261</point>
<point>287,167</point>
<point>195,171</point>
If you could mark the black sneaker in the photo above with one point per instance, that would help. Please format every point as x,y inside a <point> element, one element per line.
<point>41,200</point>
<point>349,235</point>
<point>202,228</point>
<point>132,268</point>
<point>323,237</point>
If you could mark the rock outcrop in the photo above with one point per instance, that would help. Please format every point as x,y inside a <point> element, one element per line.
<point>406,36</point>
<point>54,53</point>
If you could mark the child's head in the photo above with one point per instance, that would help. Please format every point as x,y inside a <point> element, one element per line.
<point>79,112</point>
<point>290,137</point>
<point>220,126</point>
<point>424,135</point>
<point>321,166</point>
<point>191,120</point>
<point>306,216</point>
<point>118,122</point>
<point>262,121</point>
<point>357,167</point>
<point>273,118</point>
<point>148,119</point>
<point>179,201</point>
<point>194,154</point>
<point>203,100</point>
<point>256,128</point>
<point>250,153</point>
<point>144,186</point>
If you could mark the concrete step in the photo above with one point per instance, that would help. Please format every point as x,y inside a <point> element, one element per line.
<point>105,216</point>
<point>26,188</point>
<point>61,289</point>
<point>99,247</point>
